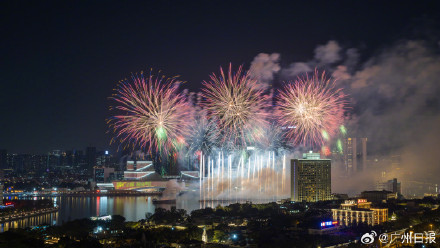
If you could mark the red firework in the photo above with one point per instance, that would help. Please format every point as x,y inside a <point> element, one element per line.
<point>238,107</point>
<point>311,109</point>
<point>152,113</point>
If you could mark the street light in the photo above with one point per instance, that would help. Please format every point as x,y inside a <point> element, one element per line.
<point>430,226</point>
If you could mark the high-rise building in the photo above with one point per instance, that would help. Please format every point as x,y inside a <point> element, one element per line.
<point>377,196</point>
<point>355,155</point>
<point>363,154</point>
<point>79,159</point>
<point>350,155</point>
<point>310,178</point>
<point>26,163</point>
<point>12,161</point>
<point>90,157</point>
<point>391,185</point>
<point>1,194</point>
<point>104,158</point>
<point>51,162</point>
<point>69,158</point>
<point>3,159</point>
<point>394,186</point>
<point>103,174</point>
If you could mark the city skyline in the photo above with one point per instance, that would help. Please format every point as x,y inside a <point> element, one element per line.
<point>65,108</point>
<point>219,123</point>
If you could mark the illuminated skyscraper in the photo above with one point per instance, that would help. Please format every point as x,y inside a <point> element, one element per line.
<point>310,178</point>
<point>355,155</point>
<point>350,155</point>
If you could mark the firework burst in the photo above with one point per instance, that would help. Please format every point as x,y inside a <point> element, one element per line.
<point>152,114</point>
<point>271,138</point>
<point>237,105</point>
<point>312,108</point>
<point>203,135</point>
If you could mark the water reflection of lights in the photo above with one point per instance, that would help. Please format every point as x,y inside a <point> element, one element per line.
<point>30,221</point>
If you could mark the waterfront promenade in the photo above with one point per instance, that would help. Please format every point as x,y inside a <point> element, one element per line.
<point>27,214</point>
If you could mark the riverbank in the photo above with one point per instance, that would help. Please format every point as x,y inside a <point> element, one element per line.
<point>86,193</point>
<point>27,214</point>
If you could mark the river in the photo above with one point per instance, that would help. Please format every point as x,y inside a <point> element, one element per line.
<point>133,208</point>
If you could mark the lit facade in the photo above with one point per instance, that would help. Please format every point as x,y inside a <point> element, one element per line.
<point>359,211</point>
<point>311,178</point>
<point>140,175</point>
<point>137,170</point>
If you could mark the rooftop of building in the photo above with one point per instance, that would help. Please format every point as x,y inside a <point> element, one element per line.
<point>377,191</point>
<point>305,159</point>
<point>356,209</point>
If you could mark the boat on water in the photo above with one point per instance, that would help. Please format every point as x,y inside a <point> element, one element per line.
<point>164,201</point>
<point>168,197</point>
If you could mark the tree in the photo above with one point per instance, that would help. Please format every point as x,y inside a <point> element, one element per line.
<point>219,236</point>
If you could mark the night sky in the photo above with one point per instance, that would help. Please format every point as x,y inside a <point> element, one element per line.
<point>60,60</point>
